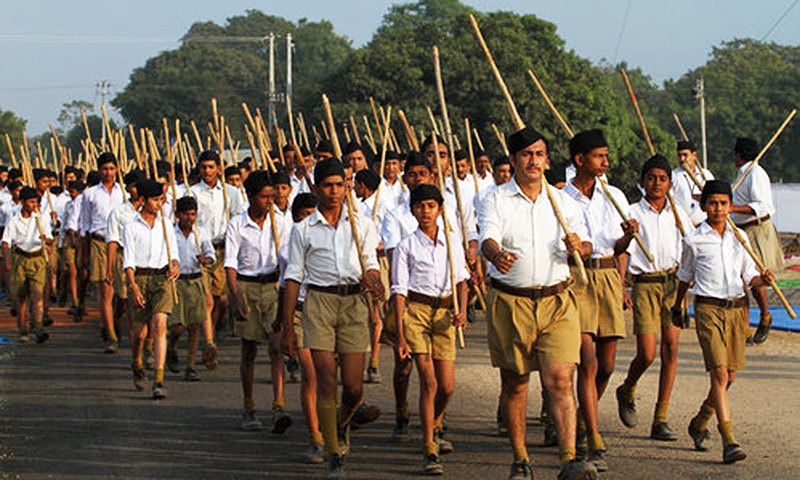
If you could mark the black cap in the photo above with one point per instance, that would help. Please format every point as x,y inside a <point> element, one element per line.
<point>426,192</point>
<point>351,147</point>
<point>28,193</point>
<point>256,181</point>
<point>501,160</point>
<point>715,186</point>
<point>416,159</point>
<point>586,141</point>
<point>656,161</point>
<point>325,146</point>
<point>328,168</point>
<point>133,177</point>
<point>686,145</point>
<point>522,138</point>
<point>40,174</point>
<point>148,188</point>
<point>746,148</point>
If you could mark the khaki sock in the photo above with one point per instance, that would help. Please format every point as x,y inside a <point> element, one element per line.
<point>315,438</point>
<point>148,345</point>
<point>430,448</point>
<point>726,431</point>
<point>249,405</point>
<point>595,441</point>
<point>326,410</point>
<point>660,415</point>
<point>629,392</point>
<point>373,364</point>
<point>278,404</point>
<point>190,361</point>
<point>159,375</point>
<point>521,454</point>
<point>566,455</point>
<point>704,416</point>
<point>138,363</point>
<point>438,424</point>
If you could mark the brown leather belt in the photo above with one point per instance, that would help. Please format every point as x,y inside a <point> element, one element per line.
<point>595,263</point>
<point>341,290</point>
<point>532,293</point>
<point>19,251</point>
<point>433,302</point>
<point>753,223</point>
<point>381,253</point>
<point>190,276</point>
<point>150,271</point>
<point>98,237</point>
<point>657,277</point>
<point>266,278</point>
<point>721,302</point>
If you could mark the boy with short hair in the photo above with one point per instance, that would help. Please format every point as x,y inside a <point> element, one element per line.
<point>423,293</point>
<point>150,264</point>
<point>251,267</point>
<point>194,251</point>
<point>719,265</point>
<point>25,237</point>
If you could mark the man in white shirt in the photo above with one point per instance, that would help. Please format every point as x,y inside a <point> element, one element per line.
<point>600,302</point>
<point>252,242</point>
<point>151,265</point>
<point>684,189</point>
<point>654,287</point>
<point>752,211</point>
<point>533,322</point>
<point>98,202</point>
<point>335,321</point>
<point>718,264</point>
<point>214,209</point>
<point>484,170</point>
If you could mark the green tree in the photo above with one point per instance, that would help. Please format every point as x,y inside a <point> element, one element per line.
<point>12,125</point>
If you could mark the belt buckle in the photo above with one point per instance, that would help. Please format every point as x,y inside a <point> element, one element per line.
<point>594,263</point>
<point>729,303</point>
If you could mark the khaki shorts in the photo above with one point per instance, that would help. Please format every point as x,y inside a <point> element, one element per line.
<point>55,257</point>
<point>297,325</point>
<point>764,240</point>
<point>600,303</point>
<point>191,308</point>
<point>722,333</point>
<point>429,331</point>
<point>69,253</point>
<point>98,258</point>
<point>651,304</point>
<point>27,275</point>
<point>335,323</point>
<point>157,293</point>
<point>120,281</point>
<point>215,274</point>
<point>384,263</point>
<point>524,334</point>
<point>261,304</point>
<point>389,331</point>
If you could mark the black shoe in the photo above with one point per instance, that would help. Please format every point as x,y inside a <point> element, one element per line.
<point>159,391</point>
<point>400,430</point>
<point>14,312</point>
<point>581,444</point>
<point>334,468</point>
<point>626,407</point>
<point>550,435</point>
<point>733,453</point>
<point>139,378</point>
<point>578,470</point>
<point>699,437</point>
<point>172,361</point>
<point>432,465</point>
<point>281,421</point>
<point>77,317</point>
<point>762,332</point>
<point>366,414</point>
<point>47,320</point>
<point>661,431</point>
<point>471,314</point>
<point>521,470</point>
<point>42,337</point>
<point>190,375</point>
<point>72,310</point>
<point>597,458</point>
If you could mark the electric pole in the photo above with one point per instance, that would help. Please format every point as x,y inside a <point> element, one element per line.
<point>103,86</point>
<point>699,93</point>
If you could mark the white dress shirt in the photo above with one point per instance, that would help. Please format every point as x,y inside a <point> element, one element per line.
<point>483,182</point>
<point>327,254</point>
<point>451,210</point>
<point>717,264</point>
<point>530,230</point>
<point>187,249</point>
<point>283,262</point>
<point>145,246</point>
<point>117,219</point>
<point>96,207</point>
<point>72,214</point>
<point>211,207</point>
<point>5,198</point>
<point>299,185</point>
<point>602,220</point>
<point>660,234</point>
<point>8,210</point>
<point>683,188</point>
<point>393,192</point>
<point>755,192</point>
<point>421,265</point>
<point>366,207</point>
<point>250,249</point>
<point>23,233</point>
<point>397,224</point>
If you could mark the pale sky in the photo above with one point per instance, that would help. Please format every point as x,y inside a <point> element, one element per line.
<point>56,51</point>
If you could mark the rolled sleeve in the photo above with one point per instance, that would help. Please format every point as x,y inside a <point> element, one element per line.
<point>232,241</point>
<point>687,267</point>
<point>489,219</point>
<point>369,244</point>
<point>296,257</point>
<point>400,270</point>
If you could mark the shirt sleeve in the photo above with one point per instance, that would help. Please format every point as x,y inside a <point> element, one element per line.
<point>296,257</point>
<point>761,193</point>
<point>686,270</point>
<point>390,231</point>
<point>460,267</point>
<point>400,269</point>
<point>129,239</point>
<point>7,235</point>
<point>573,215</point>
<point>232,242</point>
<point>86,212</point>
<point>489,219</point>
<point>208,249</point>
<point>114,229</point>
<point>173,245</point>
<point>369,243</point>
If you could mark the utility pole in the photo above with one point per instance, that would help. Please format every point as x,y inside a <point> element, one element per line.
<point>271,95</point>
<point>103,86</point>
<point>699,93</point>
<point>289,46</point>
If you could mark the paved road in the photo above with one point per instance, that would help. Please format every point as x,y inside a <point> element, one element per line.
<point>68,411</point>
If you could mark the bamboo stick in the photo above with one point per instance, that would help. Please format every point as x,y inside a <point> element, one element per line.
<point>370,138</point>
<point>680,126</point>
<point>764,150</point>
<point>385,137</point>
<point>355,129</point>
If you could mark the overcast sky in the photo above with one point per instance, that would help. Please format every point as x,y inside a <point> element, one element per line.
<point>56,51</point>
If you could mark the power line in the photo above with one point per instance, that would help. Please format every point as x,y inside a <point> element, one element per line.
<point>779,20</point>
<point>622,31</point>
<point>81,39</point>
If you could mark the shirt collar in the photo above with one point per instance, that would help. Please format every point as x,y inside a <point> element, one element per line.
<point>440,238</point>
<point>317,217</point>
